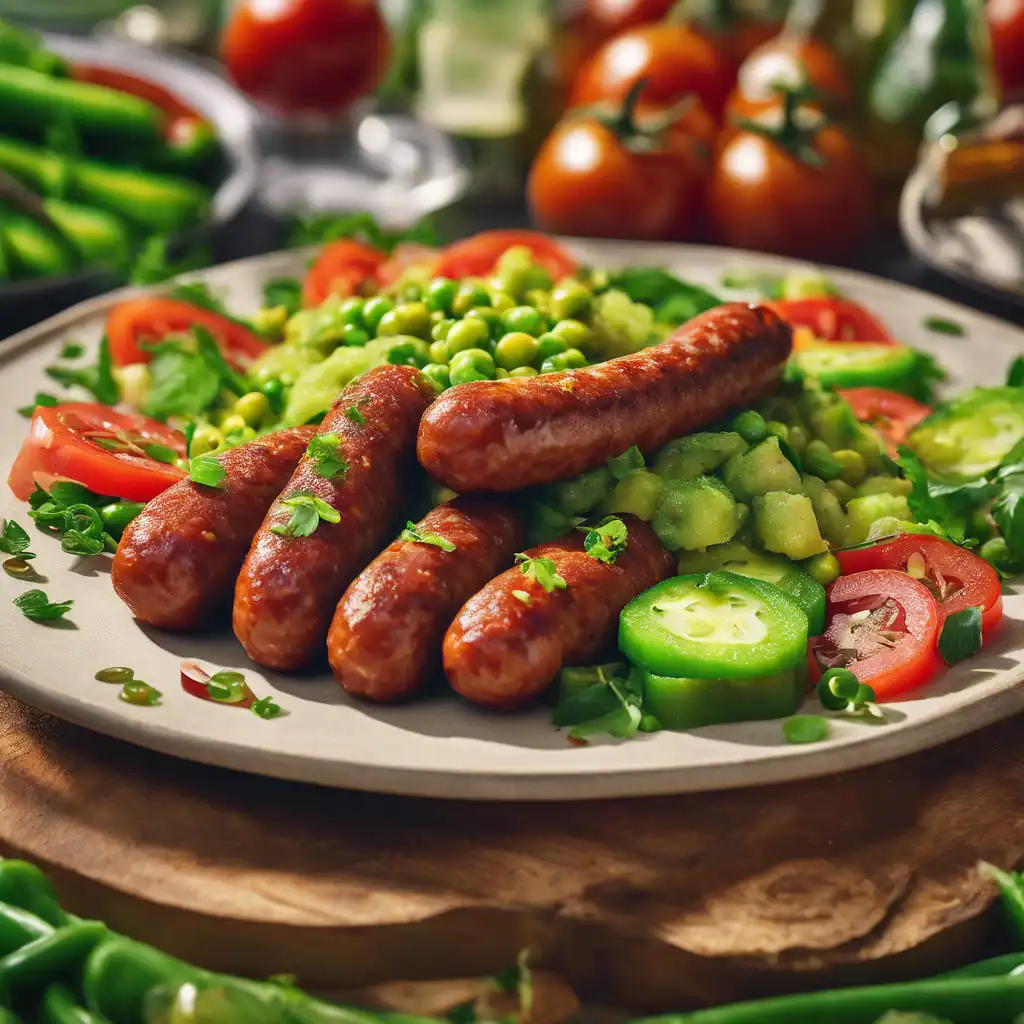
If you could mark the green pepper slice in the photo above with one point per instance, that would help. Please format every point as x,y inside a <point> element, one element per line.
<point>715,626</point>
<point>861,364</point>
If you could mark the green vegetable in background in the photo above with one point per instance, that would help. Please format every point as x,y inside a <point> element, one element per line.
<point>21,48</point>
<point>322,228</point>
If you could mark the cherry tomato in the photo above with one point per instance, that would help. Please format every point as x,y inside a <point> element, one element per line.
<point>740,37</point>
<point>591,179</point>
<point>477,255</point>
<point>1006,27</point>
<point>306,56</point>
<point>957,578</point>
<point>675,59</point>
<point>892,648</point>
<point>795,62</point>
<point>893,415</point>
<point>98,447</point>
<point>151,318</point>
<point>766,196</point>
<point>344,267</point>
<point>833,319</point>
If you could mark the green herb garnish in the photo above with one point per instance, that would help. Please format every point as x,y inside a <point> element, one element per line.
<point>15,541</point>
<point>283,291</point>
<point>940,325</point>
<point>805,729</point>
<point>265,707</point>
<point>521,595</point>
<point>206,470</point>
<point>72,350</point>
<point>414,535</point>
<point>323,451</point>
<point>98,379</point>
<point>354,414</point>
<point>41,398</point>
<point>622,465</point>
<point>1011,888</point>
<point>607,540</point>
<point>1015,374</point>
<point>155,263</point>
<point>306,512</point>
<point>541,570</point>
<point>35,605</point>
<point>960,636</point>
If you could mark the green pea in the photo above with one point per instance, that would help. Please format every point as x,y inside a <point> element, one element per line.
<point>374,309</point>
<point>355,336</point>
<point>821,462</point>
<point>274,390</point>
<point>408,318</point>
<point>513,278</point>
<point>118,515</point>
<point>411,292</point>
<point>440,294</point>
<point>799,438</point>
<point>475,358</point>
<point>524,319</point>
<point>502,300</point>
<point>853,468</point>
<point>524,371</point>
<point>539,299</point>
<point>549,345</point>
<point>842,490</point>
<point>440,330</point>
<point>438,352</point>
<point>468,296</point>
<point>572,332</point>
<point>253,407</point>
<point>206,439</point>
<point>515,349</point>
<point>570,359</point>
<point>777,429</point>
<point>408,351</point>
<point>231,422</point>
<point>466,334</point>
<point>351,311</point>
<point>489,316</point>
<point>750,425</point>
<point>824,568</point>
<point>836,688</point>
<point>500,373</point>
<point>437,374</point>
<point>570,300</point>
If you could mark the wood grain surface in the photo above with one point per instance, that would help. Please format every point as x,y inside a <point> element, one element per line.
<point>649,904</point>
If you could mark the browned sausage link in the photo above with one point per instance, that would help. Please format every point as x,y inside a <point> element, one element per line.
<point>290,585</point>
<point>385,640</point>
<point>178,559</point>
<point>501,650</point>
<point>508,434</point>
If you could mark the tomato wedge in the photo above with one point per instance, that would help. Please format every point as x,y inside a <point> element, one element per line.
<point>341,268</point>
<point>893,415</point>
<point>833,319</point>
<point>107,451</point>
<point>152,318</point>
<point>883,626</point>
<point>477,255</point>
<point>957,578</point>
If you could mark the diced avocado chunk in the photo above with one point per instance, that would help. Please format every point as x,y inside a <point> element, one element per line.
<point>637,493</point>
<point>863,512</point>
<point>690,456</point>
<point>786,524</point>
<point>761,469</point>
<point>832,521</point>
<point>695,514</point>
<point>578,496</point>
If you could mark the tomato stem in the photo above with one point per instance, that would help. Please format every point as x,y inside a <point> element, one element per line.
<point>795,138</point>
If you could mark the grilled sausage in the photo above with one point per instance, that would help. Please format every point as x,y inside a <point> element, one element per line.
<point>178,559</point>
<point>502,649</point>
<point>385,640</point>
<point>290,584</point>
<point>507,434</point>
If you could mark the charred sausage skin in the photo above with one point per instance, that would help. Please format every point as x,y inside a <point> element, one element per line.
<point>385,640</point>
<point>289,586</point>
<point>513,433</point>
<point>177,561</point>
<point>501,651</point>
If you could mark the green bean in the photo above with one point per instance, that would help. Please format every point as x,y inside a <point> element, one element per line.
<point>47,957</point>
<point>116,518</point>
<point>776,428</point>
<point>751,426</point>
<point>820,462</point>
<point>60,1007</point>
<point>24,886</point>
<point>994,967</point>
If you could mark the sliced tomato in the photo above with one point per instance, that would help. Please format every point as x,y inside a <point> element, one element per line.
<point>151,318</point>
<point>956,577</point>
<point>833,319</point>
<point>476,256</point>
<point>344,267</point>
<point>100,448</point>
<point>883,626</point>
<point>893,415</point>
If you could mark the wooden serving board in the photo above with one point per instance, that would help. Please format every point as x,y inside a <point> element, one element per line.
<point>648,904</point>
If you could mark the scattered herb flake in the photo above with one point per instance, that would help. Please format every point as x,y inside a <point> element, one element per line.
<point>1015,374</point>
<point>306,512</point>
<point>942,325</point>
<point>207,471</point>
<point>15,541</point>
<point>323,451</point>
<point>606,541</point>
<point>521,595</point>
<point>209,351</point>
<point>1011,888</point>
<point>354,414</point>
<point>805,729</point>
<point>160,452</point>
<point>41,398</point>
<point>265,707</point>
<point>414,535</point>
<point>960,636</point>
<point>115,674</point>
<point>72,350</point>
<point>98,379</point>
<point>35,605</point>
<point>541,570</point>
<point>140,693</point>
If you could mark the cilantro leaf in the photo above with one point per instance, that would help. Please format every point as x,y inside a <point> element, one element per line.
<point>960,636</point>
<point>414,535</point>
<point>607,540</point>
<point>35,605</point>
<point>199,294</point>
<point>72,350</point>
<point>354,413</point>
<point>209,351</point>
<point>620,721</point>
<point>266,708</point>
<point>321,228</point>
<point>540,570</point>
<point>622,465</point>
<point>206,470</point>
<point>15,541</point>
<point>306,512</point>
<point>98,379</point>
<point>283,291</point>
<point>323,451</point>
<point>181,383</point>
<point>155,263</point>
<point>674,301</point>
<point>41,398</point>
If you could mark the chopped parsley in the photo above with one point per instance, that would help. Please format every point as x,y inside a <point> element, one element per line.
<point>323,451</point>
<point>266,708</point>
<point>15,541</point>
<point>98,379</point>
<point>1015,374</point>
<point>354,414</point>
<point>35,605</point>
<point>606,541</point>
<point>521,595</point>
<point>207,471</point>
<point>541,570</point>
<point>283,291</point>
<point>72,350</point>
<point>41,398</point>
<point>414,535</point>
<point>306,512</point>
<point>941,325</point>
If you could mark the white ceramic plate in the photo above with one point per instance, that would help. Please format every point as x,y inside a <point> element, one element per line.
<point>439,746</point>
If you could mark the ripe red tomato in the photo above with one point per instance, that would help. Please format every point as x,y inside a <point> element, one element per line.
<point>98,447</point>
<point>306,56</point>
<point>675,59</point>
<point>1006,26</point>
<point>590,178</point>
<point>739,38</point>
<point>477,255</point>
<point>151,318</point>
<point>892,648</point>
<point>957,578</point>
<point>831,318</point>
<point>341,268</point>
<point>893,415</point>
<point>764,195</point>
